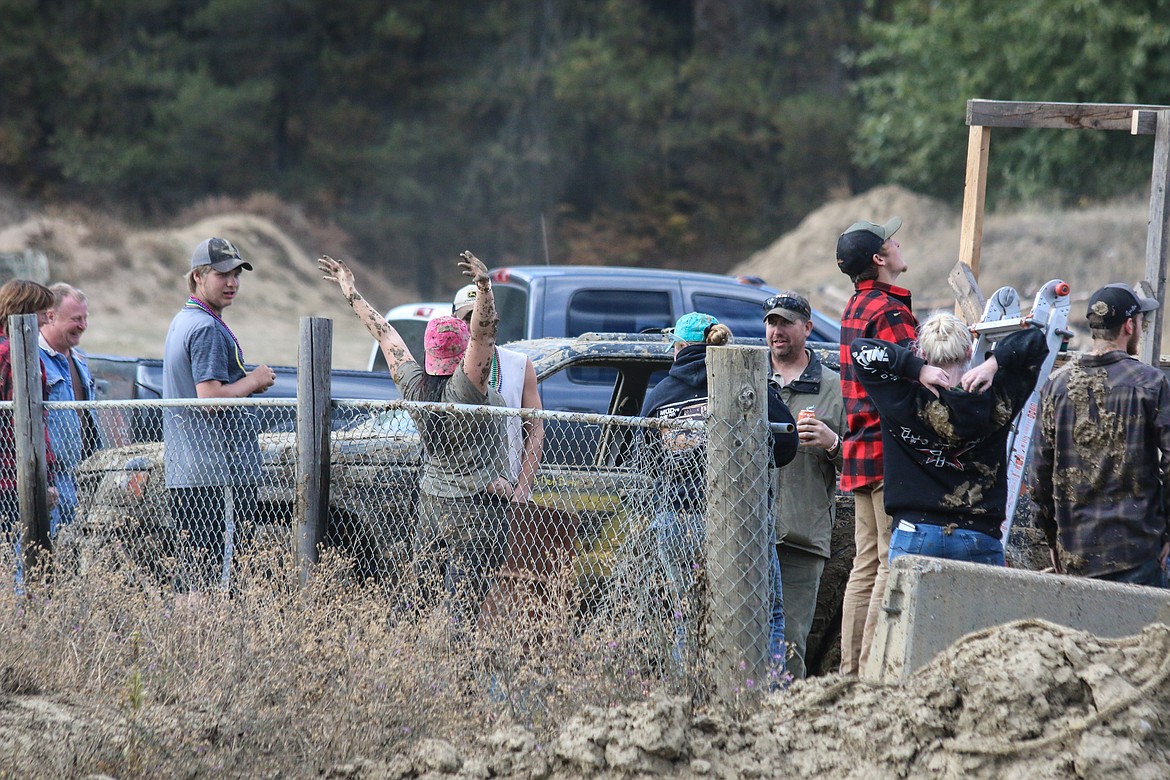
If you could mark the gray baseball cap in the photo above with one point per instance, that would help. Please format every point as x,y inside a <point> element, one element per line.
<point>220,254</point>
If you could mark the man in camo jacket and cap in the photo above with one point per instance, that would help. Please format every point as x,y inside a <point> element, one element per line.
<point>1101,452</point>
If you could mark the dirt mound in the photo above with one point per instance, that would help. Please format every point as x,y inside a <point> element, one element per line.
<point>1086,247</point>
<point>1025,700</point>
<point>134,281</point>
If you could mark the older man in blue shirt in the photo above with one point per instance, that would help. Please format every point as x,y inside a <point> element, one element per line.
<point>72,433</point>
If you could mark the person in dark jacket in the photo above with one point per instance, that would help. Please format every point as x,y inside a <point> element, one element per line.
<point>1100,472</point>
<point>682,395</point>
<point>944,433</point>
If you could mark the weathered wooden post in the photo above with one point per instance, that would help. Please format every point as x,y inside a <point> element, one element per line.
<point>28,423</point>
<point>1158,235</point>
<point>738,539</point>
<point>314,390</point>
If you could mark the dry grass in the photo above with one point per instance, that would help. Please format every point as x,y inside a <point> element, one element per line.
<point>279,679</point>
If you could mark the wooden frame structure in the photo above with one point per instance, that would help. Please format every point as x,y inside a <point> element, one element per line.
<point>982,115</point>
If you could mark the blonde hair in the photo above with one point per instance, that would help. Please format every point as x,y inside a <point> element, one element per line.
<point>717,335</point>
<point>194,274</point>
<point>944,340</point>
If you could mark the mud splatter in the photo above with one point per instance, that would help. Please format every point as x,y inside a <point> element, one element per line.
<point>936,415</point>
<point>1001,415</point>
<point>965,495</point>
<point>1098,436</point>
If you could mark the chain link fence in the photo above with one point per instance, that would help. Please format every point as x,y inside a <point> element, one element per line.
<point>619,552</point>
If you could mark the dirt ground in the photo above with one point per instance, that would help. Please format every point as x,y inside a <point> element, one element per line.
<point>1026,700</point>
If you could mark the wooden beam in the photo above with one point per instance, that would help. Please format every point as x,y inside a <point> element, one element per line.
<point>974,195</point>
<point>1158,239</point>
<point>1064,116</point>
<point>1144,122</point>
<point>969,299</point>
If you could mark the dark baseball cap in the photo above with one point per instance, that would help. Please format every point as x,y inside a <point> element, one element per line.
<point>1113,304</point>
<point>861,241</point>
<point>790,305</point>
<point>220,254</point>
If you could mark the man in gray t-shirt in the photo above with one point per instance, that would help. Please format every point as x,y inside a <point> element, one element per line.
<point>211,455</point>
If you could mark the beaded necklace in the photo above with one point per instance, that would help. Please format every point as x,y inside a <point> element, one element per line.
<point>195,303</point>
<point>494,378</point>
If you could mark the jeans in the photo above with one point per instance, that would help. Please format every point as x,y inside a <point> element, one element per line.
<point>1151,573</point>
<point>958,544</point>
<point>66,509</point>
<point>679,539</point>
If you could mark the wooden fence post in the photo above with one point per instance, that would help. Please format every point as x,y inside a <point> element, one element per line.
<point>738,539</point>
<point>1158,239</point>
<point>314,390</point>
<point>28,422</point>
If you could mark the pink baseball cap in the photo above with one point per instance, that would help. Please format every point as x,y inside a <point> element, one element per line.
<point>445,341</point>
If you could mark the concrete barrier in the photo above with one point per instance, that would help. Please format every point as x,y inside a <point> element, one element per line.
<point>930,603</point>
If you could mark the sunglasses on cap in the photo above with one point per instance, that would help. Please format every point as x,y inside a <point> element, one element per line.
<point>785,301</point>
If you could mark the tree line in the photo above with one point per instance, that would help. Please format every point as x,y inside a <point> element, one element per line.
<point>650,132</point>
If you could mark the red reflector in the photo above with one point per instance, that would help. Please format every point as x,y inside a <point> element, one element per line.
<point>423,311</point>
<point>501,275</point>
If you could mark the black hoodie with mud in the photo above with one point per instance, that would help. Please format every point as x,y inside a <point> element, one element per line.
<point>946,457</point>
<point>682,395</point>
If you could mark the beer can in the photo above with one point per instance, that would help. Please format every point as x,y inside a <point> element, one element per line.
<point>806,413</point>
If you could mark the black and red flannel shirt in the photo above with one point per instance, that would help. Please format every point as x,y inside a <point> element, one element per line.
<point>7,434</point>
<point>876,311</point>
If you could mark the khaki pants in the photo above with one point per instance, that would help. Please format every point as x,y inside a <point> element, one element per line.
<point>867,581</point>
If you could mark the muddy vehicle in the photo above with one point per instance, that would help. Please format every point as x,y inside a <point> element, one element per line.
<point>373,474</point>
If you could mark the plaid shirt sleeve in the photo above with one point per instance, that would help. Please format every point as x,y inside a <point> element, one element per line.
<point>871,313</point>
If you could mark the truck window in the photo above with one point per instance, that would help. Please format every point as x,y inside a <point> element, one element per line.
<point>744,316</point>
<point>512,307</point>
<point>617,311</point>
<point>614,311</point>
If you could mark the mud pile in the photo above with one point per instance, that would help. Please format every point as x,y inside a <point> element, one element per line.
<point>1025,700</point>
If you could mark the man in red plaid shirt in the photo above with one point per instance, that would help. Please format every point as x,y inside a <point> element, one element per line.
<point>869,255</point>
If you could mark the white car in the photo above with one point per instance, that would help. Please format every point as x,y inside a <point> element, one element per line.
<point>410,320</point>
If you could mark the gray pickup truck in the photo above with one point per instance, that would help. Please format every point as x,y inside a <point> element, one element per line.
<point>565,301</point>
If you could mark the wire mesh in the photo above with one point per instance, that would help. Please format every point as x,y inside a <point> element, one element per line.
<point>606,558</point>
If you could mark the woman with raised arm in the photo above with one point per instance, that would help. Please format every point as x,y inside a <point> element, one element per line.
<point>464,491</point>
